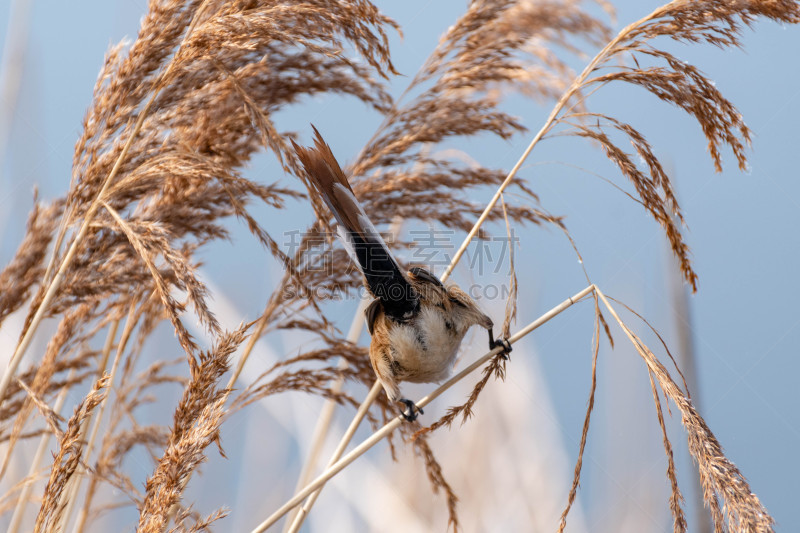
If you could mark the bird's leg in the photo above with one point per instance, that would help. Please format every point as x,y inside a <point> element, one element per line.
<point>503,343</point>
<point>411,414</point>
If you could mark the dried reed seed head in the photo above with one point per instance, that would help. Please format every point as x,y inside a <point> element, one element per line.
<point>203,388</point>
<point>16,397</point>
<point>436,476</point>
<point>496,368</point>
<point>200,524</point>
<point>488,48</point>
<point>741,510</point>
<point>713,21</point>
<point>676,498</point>
<point>63,342</point>
<point>652,184</point>
<point>66,460</point>
<point>53,419</point>
<point>125,81</point>
<point>319,379</point>
<point>180,459</point>
<point>115,449</point>
<point>196,425</point>
<point>681,84</point>
<point>27,266</point>
<point>576,477</point>
<point>179,176</point>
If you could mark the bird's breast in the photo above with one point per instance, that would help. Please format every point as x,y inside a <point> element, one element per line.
<point>424,349</point>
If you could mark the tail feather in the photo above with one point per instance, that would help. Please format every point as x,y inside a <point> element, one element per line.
<point>330,182</point>
<point>384,278</point>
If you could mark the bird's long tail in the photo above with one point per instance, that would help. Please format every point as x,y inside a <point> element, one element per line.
<point>383,276</point>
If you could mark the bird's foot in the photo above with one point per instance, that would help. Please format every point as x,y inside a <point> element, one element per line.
<point>505,345</point>
<point>410,413</point>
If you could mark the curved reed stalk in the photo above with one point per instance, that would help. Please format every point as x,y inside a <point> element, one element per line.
<point>323,425</point>
<point>392,425</point>
<point>127,330</point>
<point>337,454</point>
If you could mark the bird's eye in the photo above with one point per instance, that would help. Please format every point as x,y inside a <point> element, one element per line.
<point>457,302</point>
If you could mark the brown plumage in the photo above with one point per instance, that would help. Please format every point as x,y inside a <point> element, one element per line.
<point>325,174</point>
<point>416,322</point>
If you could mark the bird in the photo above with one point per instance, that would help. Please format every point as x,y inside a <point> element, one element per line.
<point>416,322</point>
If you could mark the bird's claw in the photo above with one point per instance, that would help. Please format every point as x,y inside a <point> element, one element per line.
<point>411,414</point>
<point>505,345</point>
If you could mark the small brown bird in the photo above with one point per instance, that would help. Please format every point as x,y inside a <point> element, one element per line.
<point>416,322</point>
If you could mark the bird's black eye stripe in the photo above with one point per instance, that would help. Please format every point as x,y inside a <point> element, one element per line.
<point>457,302</point>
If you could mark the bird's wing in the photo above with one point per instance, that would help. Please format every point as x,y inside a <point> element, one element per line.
<point>371,314</point>
<point>383,276</point>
